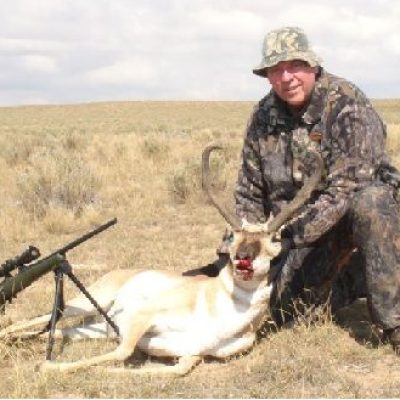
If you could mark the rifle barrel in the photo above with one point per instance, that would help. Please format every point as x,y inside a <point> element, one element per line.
<point>84,237</point>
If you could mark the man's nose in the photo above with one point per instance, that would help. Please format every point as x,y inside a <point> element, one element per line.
<point>286,75</point>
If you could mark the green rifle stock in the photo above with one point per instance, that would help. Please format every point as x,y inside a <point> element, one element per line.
<point>15,284</point>
<point>30,272</point>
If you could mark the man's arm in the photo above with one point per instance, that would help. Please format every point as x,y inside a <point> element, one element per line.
<point>356,147</point>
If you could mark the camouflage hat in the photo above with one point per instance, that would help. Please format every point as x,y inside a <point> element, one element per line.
<point>285,44</point>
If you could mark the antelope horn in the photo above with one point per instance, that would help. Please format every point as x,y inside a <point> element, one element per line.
<point>301,197</point>
<point>205,181</point>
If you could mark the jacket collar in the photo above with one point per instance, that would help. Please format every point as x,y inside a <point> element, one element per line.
<point>316,106</point>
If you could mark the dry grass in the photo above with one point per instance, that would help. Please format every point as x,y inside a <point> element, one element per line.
<point>66,168</point>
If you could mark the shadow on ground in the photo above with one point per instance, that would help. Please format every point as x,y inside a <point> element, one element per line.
<point>356,320</point>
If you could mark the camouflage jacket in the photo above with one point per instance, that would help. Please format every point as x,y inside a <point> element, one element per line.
<point>342,124</point>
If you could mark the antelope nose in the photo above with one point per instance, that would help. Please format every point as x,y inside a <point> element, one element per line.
<point>242,255</point>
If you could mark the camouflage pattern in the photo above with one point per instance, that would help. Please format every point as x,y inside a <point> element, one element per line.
<point>351,210</point>
<point>354,259</point>
<point>285,44</point>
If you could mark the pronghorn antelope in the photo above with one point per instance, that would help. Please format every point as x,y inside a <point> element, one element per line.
<point>166,314</point>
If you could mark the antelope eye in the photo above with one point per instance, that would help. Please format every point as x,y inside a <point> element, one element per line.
<point>229,236</point>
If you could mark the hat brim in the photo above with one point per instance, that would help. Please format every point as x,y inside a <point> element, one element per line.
<point>310,57</point>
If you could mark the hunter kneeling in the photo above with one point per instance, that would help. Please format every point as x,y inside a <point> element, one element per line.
<point>346,238</point>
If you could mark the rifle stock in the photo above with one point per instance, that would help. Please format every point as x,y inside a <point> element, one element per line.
<point>27,274</point>
<point>15,284</point>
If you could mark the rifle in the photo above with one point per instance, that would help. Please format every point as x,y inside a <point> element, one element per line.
<point>29,272</point>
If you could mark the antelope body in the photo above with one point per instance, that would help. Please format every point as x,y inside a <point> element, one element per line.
<point>166,314</point>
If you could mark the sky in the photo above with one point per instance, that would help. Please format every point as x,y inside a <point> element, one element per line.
<point>75,51</point>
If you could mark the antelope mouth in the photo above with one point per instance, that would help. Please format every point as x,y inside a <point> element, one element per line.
<point>244,269</point>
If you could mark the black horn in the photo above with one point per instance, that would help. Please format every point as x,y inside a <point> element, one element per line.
<point>206,184</point>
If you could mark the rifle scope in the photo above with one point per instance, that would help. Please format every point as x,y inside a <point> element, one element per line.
<point>27,256</point>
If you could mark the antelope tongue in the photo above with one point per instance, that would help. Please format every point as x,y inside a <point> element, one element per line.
<point>243,263</point>
<point>244,268</point>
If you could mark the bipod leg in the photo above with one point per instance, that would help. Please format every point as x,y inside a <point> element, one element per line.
<point>96,305</point>
<point>58,308</point>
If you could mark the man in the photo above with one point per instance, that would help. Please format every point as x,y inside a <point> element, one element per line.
<point>346,239</point>
<point>345,242</point>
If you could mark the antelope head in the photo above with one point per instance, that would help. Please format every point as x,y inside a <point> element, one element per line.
<point>251,247</point>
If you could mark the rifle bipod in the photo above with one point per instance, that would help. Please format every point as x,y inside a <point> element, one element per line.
<point>65,268</point>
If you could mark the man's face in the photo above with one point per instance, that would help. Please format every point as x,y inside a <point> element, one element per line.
<point>293,81</point>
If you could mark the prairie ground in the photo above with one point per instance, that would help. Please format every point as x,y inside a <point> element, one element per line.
<point>65,169</point>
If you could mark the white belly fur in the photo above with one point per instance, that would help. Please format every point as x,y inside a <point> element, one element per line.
<point>184,331</point>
